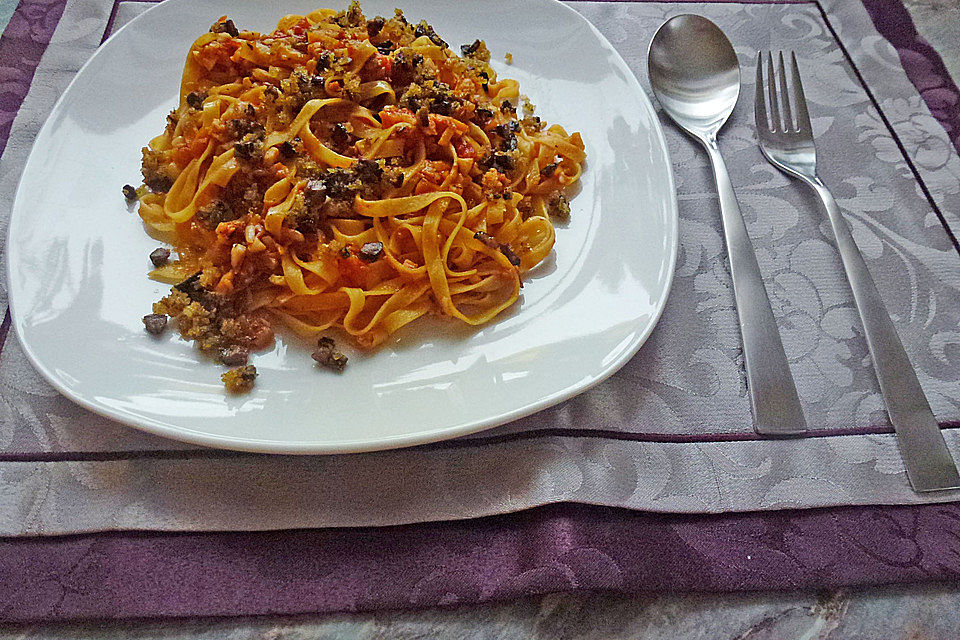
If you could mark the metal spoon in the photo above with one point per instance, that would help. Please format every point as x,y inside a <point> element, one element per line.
<point>696,77</point>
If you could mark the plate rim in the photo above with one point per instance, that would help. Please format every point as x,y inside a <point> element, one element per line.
<point>282,447</point>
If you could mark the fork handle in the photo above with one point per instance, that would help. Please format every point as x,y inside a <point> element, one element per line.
<point>926,458</point>
<point>773,394</point>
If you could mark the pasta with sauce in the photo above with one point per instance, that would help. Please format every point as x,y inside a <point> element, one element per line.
<point>347,173</point>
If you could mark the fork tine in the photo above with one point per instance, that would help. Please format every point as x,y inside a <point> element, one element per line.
<point>803,117</point>
<point>785,97</point>
<point>760,104</point>
<point>772,92</point>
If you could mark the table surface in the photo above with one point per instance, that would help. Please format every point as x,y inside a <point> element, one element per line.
<point>905,612</point>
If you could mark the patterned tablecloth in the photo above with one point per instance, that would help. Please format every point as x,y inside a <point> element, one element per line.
<point>669,433</point>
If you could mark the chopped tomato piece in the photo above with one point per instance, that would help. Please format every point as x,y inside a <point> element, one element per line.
<point>182,155</point>
<point>464,149</point>
<point>301,27</point>
<point>353,270</point>
<point>391,115</point>
<point>378,67</point>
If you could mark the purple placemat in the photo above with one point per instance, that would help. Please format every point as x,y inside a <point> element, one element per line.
<point>670,432</point>
<point>922,63</point>
<point>554,548</point>
<point>563,547</point>
<point>22,44</point>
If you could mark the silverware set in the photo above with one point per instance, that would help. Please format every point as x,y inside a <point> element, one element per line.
<point>695,75</point>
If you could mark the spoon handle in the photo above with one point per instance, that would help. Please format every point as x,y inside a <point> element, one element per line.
<point>773,394</point>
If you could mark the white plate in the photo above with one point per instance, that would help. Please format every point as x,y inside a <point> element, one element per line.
<point>78,254</point>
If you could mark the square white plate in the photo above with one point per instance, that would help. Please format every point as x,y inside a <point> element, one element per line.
<point>78,253</point>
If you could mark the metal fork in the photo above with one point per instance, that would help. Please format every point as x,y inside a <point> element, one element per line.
<point>787,143</point>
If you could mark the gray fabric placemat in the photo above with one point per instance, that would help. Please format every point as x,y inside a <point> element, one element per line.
<point>669,432</point>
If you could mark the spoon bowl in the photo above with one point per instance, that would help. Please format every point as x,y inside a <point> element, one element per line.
<point>694,73</point>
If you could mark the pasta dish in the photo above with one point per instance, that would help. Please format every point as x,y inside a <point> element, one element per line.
<point>345,173</point>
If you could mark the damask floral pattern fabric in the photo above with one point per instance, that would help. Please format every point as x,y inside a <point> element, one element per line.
<point>556,548</point>
<point>25,38</point>
<point>669,432</point>
<point>57,463</point>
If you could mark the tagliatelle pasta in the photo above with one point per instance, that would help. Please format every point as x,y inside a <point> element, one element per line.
<point>347,173</point>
